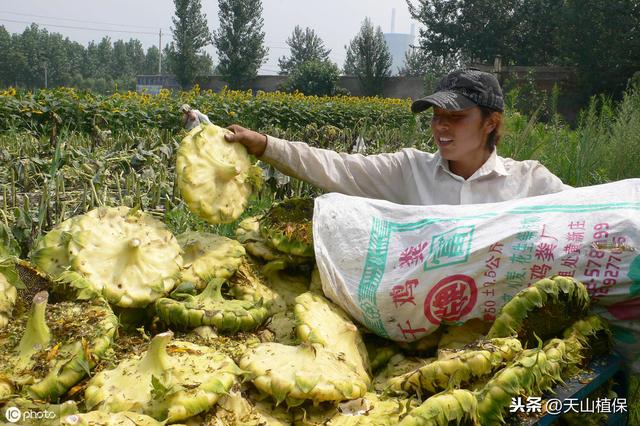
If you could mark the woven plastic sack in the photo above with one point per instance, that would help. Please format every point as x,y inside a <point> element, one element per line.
<point>403,270</point>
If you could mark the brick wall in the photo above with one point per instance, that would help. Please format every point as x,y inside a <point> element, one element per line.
<point>395,87</point>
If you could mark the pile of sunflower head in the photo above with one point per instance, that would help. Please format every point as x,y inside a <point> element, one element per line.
<point>114,320</point>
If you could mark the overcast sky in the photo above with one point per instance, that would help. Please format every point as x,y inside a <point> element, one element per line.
<point>335,21</point>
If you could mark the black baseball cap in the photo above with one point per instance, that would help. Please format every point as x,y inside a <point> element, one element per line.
<point>464,89</point>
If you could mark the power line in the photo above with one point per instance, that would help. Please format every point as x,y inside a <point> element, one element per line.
<point>78,20</point>
<point>77,28</point>
<point>101,29</point>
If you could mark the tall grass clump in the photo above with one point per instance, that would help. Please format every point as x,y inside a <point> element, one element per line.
<point>604,146</point>
<point>624,149</point>
<point>634,399</point>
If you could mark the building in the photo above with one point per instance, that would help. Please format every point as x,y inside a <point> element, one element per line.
<point>152,84</point>
<point>398,44</point>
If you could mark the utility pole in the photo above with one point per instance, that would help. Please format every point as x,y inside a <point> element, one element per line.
<point>45,75</point>
<point>160,53</point>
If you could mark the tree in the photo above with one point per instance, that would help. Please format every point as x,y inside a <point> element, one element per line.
<point>190,35</point>
<point>25,57</point>
<point>18,61</point>
<point>57,58</point>
<point>596,38</point>
<point>240,41</point>
<point>205,64</point>
<point>305,46</point>
<point>601,41</point>
<point>438,16</point>
<point>368,58</point>
<point>121,66</point>
<point>6,55</point>
<point>92,61</point>
<point>538,32</point>
<point>76,58</point>
<point>314,77</point>
<point>32,44</point>
<point>104,58</point>
<point>202,63</point>
<point>415,63</point>
<point>473,29</point>
<point>127,62</point>
<point>151,61</point>
<point>135,53</point>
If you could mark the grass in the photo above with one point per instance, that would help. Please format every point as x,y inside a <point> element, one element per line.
<point>604,146</point>
<point>633,401</point>
<point>179,219</point>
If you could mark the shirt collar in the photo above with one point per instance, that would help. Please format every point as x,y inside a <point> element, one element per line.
<point>441,164</point>
<point>494,163</point>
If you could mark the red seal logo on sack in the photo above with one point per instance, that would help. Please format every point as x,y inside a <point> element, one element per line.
<point>451,299</point>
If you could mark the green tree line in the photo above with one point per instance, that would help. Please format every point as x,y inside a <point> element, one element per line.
<point>598,39</point>
<point>27,58</point>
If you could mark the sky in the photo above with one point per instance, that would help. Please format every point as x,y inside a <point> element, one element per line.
<point>335,21</point>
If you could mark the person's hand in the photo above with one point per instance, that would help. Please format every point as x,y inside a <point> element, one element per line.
<point>255,142</point>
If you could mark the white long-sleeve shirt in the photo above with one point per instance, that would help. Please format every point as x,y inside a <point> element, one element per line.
<point>194,120</point>
<point>410,176</point>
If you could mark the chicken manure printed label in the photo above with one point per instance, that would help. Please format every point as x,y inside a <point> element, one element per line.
<point>402,271</point>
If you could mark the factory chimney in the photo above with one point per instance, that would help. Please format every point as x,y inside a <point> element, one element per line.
<point>393,20</point>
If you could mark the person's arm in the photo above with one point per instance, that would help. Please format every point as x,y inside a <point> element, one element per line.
<point>545,182</point>
<point>202,117</point>
<point>375,176</point>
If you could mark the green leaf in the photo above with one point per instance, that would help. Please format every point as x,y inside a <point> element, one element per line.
<point>8,244</point>
<point>159,391</point>
<point>9,271</point>
<point>85,366</point>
